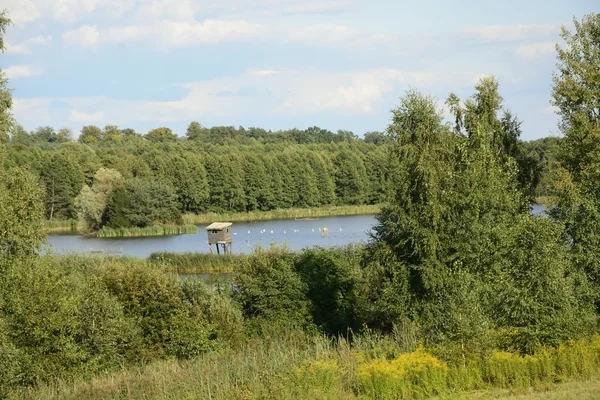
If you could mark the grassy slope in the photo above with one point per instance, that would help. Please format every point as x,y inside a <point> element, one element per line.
<point>580,390</point>
<point>171,382</point>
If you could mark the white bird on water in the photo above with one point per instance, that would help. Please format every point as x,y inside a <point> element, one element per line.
<point>271,230</point>
<point>284,232</point>
<point>340,229</point>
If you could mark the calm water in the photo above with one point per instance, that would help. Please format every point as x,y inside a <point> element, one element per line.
<point>296,234</point>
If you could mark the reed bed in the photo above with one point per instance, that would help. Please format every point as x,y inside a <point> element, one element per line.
<point>156,230</point>
<point>289,213</point>
<point>195,263</point>
<point>60,226</point>
<point>289,366</point>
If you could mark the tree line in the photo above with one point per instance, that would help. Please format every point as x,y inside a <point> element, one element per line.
<point>121,178</point>
<point>107,180</point>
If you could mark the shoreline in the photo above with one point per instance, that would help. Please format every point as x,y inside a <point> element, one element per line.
<point>70,226</point>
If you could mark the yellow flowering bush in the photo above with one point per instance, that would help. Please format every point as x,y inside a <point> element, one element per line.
<point>415,374</point>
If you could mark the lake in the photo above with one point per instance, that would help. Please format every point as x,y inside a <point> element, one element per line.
<point>296,234</point>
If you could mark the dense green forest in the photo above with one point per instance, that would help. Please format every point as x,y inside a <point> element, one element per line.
<point>459,289</point>
<point>117,178</point>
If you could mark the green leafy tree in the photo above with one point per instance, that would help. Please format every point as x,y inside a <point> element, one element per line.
<point>21,205</point>
<point>64,135</point>
<point>63,180</point>
<point>576,94</point>
<point>161,135</point>
<point>350,178</point>
<point>195,131</point>
<point>141,203</point>
<point>90,134</point>
<point>45,134</point>
<point>112,134</point>
<point>91,201</point>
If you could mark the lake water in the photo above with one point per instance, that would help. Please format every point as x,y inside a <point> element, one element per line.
<point>296,234</point>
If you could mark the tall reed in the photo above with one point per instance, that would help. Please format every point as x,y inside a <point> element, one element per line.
<point>195,263</point>
<point>60,225</point>
<point>289,213</point>
<point>155,230</point>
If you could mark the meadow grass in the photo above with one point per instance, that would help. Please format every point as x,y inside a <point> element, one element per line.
<point>289,213</point>
<point>155,230</point>
<point>290,365</point>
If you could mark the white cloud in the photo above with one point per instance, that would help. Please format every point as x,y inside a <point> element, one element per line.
<point>506,33</point>
<point>78,116</point>
<point>22,71</point>
<point>176,34</point>
<point>179,34</point>
<point>265,93</point>
<point>532,51</point>
<point>24,11</point>
<point>25,46</point>
<point>85,36</point>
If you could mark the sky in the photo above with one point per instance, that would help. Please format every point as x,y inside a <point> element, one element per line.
<point>275,64</point>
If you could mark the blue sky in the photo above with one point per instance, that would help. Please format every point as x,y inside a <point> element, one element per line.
<point>338,64</point>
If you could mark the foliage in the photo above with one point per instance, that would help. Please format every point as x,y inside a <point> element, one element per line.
<point>21,213</point>
<point>576,94</point>
<point>140,203</point>
<point>331,277</point>
<point>268,288</point>
<point>91,201</point>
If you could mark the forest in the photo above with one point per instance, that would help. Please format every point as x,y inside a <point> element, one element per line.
<point>460,293</point>
<point>117,178</point>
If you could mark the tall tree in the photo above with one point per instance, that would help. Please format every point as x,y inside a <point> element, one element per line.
<point>576,94</point>
<point>64,135</point>
<point>91,201</point>
<point>90,134</point>
<point>195,131</point>
<point>63,180</point>
<point>21,206</point>
<point>162,134</point>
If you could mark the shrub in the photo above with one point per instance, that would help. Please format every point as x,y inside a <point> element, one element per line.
<point>154,300</point>
<point>267,287</point>
<point>331,276</point>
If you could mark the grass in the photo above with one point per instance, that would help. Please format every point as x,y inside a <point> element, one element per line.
<point>292,365</point>
<point>289,213</point>
<point>575,390</point>
<point>156,230</point>
<point>195,263</point>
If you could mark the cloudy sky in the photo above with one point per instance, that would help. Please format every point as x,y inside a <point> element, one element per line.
<point>338,64</point>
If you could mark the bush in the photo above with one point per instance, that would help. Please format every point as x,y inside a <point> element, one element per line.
<point>215,308</point>
<point>154,300</point>
<point>268,288</point>
<point>331,276</point>
<point>61,324</point>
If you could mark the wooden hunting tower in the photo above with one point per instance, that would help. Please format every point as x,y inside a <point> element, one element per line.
<point>219,234</point>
